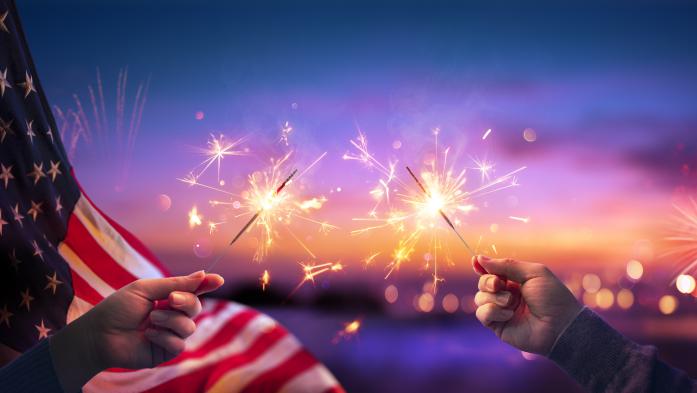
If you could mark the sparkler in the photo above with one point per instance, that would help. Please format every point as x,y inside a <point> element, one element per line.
<point>266,199</point>
<point>684,238</point>
<point>413,216</point>
<point>440,211</point>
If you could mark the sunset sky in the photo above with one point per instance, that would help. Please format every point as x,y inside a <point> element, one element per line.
<point>609,91</point>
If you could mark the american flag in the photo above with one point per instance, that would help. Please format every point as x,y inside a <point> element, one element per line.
<point>61,255</point>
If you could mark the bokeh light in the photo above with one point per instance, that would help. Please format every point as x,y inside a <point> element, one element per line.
<point>604,298</point>
<point>635,270</point>
<point>591,283</point>
<point>625,299</point>
<point>530,135</point>
<point>590,300</point>
<point>164,202</point>
<point>667,304</point>
<point>467,304</point>
<point>685,283</point>
<point>199,115</point>
<point>450,303</point>
<point>391,294</point>
<point>425,302</point>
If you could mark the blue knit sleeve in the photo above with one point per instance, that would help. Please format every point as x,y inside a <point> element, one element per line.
<point>31,372</point>
<point>603,360</point>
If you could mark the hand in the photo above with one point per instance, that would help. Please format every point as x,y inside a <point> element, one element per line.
<point>127,330</point>
<point>523,303</point>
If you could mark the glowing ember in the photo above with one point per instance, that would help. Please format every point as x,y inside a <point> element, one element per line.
<point>195,219</point>
<point>349,331</point>
<point>265,279</point>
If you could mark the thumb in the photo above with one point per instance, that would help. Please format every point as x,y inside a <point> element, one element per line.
<point>511,269</point>
<point>160,288</point>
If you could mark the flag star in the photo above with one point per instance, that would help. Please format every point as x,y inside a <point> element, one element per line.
<point>49,132</point>
<point>43,330</point>
<point>14,261</point>
<point>6,174</point>
<point>17,215</point>
<point>53,282</point>
<point>2,22</point>
<point>54,171</point>
<point>30,130</point>
<point>37,173</point>
<point>5,316</point>
<point>2,222</point>
<point>35,209</point>
<point>26,299</point>
<point>37,250</point>
<point>59,207</point>
<point>28,84</point>
<point>5,128</point>
<point>3,82</point>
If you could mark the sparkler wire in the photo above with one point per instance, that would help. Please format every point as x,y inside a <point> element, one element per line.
<point>253,219</point>
<point>442,214</point>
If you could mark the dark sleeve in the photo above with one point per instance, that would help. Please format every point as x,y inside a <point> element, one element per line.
<point>602,360</point>
<point>31,372</point>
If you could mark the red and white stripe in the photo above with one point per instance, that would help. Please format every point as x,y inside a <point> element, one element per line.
<point>234,348</point>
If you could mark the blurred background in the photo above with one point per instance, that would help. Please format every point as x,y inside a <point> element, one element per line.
<point>595,99</point>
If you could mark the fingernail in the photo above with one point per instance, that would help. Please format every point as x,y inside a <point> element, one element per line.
<point>483,258</point>
<point>178,299</point>
<point>503,298</point>
<point>158,316</point>
<point>196,275</point>
<point>490,283</point>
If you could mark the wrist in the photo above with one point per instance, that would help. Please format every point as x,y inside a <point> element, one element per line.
<point>75,354</point>
<point>569,319</point>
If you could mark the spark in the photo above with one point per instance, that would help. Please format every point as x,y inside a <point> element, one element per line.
<point>415,214</point>
<point>265,279</point>
<point>524,220</point>
<point>218,148</point>
<point>349,330</point>
<point>286,130</point>
<point>369,260</point>
<point>486,134</point>
<point>311,270</point>
<point>195,218</point>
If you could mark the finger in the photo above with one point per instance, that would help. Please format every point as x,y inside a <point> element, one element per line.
<point>185,302</point>
<point>477,266</point>
<point>210,283</point>
<point>512,269</point>
<point>172,344</point>
<point>160,288</point>
<point>491,283</point>
<point>502,299</point>
<point>491,313</point>
<point>175,321</point>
